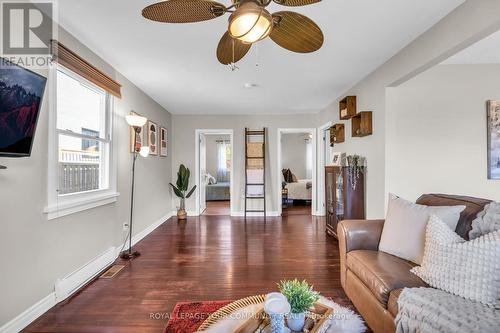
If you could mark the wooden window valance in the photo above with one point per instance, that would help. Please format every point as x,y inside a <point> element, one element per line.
<point>74,62</point>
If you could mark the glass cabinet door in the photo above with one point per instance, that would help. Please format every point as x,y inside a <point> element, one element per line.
<point>339,195</point>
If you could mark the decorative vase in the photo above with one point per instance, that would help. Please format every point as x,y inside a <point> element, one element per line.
<point>181,212</point>
<point>296,321</point>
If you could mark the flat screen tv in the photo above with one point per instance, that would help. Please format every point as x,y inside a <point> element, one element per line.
<point>21,93</point>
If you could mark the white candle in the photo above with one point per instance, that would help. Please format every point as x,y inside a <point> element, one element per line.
<point>277,306</point>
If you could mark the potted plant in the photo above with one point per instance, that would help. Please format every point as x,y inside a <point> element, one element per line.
<point>354,168</point>
<point>301,297</point>
<point>333,136</point>
<point>181,189</point>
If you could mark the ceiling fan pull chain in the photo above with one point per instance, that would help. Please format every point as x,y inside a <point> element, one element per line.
<point>232,65</point>
<point>257,53</point>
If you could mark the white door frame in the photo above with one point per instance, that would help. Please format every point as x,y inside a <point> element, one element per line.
<point>311,131</point>
<point>197,134</point>
<point>320,195</point>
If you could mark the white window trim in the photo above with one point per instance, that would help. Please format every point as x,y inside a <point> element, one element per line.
<point>59,206</point>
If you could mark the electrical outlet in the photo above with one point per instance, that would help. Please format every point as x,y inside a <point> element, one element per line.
<point>125,226</point>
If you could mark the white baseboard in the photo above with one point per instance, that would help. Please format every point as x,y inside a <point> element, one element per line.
<point>138,237</point>
<point>68,285</point>
<point>29,315</point>
<point>189,213</point>
<point>253,214</point>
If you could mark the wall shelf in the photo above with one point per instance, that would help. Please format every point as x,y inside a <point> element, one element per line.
<point>347,107</point>
<point>362,124</point>
<point>339,134</point>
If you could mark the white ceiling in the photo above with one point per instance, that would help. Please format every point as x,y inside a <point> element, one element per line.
<point>176,65</point>
<point>486,51</point>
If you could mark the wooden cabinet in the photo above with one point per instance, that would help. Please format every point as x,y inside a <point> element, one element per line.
<point>342,201</point>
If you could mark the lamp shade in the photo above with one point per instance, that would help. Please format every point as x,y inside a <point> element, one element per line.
<point>250,22</point>
<point>135,120</point>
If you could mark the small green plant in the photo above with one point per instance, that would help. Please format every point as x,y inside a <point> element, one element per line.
<point>300,295</point>
<point>182,185</point>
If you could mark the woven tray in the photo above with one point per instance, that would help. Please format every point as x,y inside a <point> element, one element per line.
<point>230,308</point>
<point>319,312</point>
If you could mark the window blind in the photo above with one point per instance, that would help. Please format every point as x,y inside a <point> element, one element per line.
<point>74,62</point>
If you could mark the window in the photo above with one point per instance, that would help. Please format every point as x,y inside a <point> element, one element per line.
<point>228,156</point>
<point>88,144</point>
<point>223,160</point>
<point>80,143</point>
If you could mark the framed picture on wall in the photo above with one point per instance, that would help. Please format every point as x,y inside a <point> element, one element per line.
<point>338,159</point>
<point>139,139</point>
<point>494,140</point>
<point>153,138</point>
<point>163,142</point>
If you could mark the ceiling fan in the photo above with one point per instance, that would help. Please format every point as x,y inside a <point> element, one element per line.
<point>249,23</point>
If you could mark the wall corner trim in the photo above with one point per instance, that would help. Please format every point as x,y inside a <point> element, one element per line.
<point>68,285</point>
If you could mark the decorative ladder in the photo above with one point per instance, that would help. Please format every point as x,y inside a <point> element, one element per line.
<point>255,169</point>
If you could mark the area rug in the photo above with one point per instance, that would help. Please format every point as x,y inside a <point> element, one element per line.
<point>187,317</point>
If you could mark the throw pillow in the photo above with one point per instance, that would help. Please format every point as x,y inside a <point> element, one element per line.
<point>211,179</point>
<point>487,221</point>
<point>465,268</point>
<point>287,175</point>
<point>404,228</point>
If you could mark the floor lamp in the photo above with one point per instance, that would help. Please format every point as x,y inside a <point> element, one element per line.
<point>136,122</point>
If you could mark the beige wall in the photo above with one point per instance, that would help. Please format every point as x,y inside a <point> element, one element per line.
<point>38,251</point>
<point>294,153</point>
<point>183,148</point>
<point>437,141</point>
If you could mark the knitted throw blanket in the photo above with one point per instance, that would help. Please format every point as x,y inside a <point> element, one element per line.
<point>429,310</point>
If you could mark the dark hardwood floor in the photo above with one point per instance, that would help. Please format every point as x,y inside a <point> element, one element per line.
<point>217,208</point>
<point>297,208</point>
<point>206,258</point>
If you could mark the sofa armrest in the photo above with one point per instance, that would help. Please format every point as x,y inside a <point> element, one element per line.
<point>360,234</point>
<point>357,235</point>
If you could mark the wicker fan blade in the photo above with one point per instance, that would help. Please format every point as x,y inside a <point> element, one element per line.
<point>296,3</point>
<point>184,11</point>
<point>296,32</point>
<point>225,49</point>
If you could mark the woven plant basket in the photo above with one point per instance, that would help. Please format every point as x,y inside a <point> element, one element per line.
<point>255,164</point>
<point>255,149</point>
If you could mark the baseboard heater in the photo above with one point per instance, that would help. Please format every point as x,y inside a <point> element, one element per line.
<point>66,286</point>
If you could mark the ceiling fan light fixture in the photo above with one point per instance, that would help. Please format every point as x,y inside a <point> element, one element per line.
<point>250,23</point>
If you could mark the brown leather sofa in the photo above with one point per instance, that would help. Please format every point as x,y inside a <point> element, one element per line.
<point>372,279</point>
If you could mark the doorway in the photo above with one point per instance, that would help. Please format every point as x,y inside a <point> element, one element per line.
<point>324,159</point>
<point>214,172</point>
<point>296,168</point>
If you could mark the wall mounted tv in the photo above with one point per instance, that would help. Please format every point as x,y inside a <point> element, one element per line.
<point>21,93</point>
